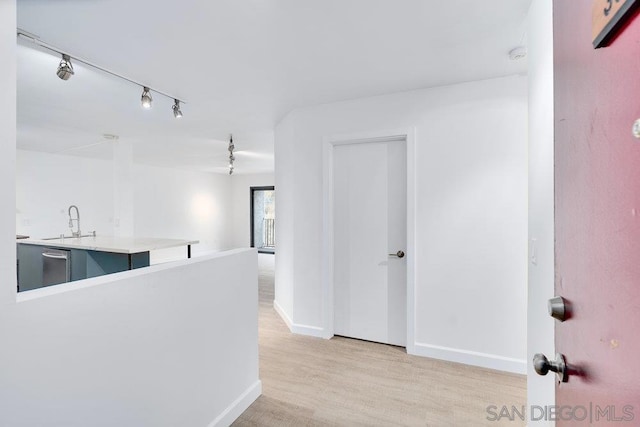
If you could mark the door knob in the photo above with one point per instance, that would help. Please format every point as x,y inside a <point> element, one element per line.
<point>399,254</point>
<point>542,365</point>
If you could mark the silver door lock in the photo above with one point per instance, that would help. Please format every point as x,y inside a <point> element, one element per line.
<point>557,307</point>
<point>542,365</point>
<point>636,129</point>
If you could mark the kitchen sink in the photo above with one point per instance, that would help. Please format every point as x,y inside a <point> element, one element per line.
<point>93,234</point>
<point>57,238</point>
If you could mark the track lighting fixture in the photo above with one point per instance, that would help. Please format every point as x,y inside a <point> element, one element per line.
<point>65,69</point>
<point>231,157</point>
<point>177,113</point>
<point>146,98</point>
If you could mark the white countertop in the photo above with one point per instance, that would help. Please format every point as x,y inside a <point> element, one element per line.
<point>123,245</point>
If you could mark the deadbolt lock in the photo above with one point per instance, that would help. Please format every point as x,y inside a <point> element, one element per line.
<point>557,307</point>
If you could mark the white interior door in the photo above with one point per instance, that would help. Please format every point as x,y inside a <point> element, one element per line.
<point>370,222</point>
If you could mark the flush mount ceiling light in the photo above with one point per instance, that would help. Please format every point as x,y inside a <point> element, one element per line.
<point>65,69</point>
<point>177,113</point>
<point>146,98</point>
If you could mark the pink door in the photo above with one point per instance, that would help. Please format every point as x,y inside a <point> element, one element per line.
<point>597,218</point>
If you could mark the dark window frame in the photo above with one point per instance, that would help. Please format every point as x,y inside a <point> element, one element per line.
<point>251,222</point>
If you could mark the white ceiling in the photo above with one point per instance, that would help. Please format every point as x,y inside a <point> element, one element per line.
<point>240,66</point>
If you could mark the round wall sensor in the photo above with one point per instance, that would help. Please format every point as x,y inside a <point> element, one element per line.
<point>518,53</point>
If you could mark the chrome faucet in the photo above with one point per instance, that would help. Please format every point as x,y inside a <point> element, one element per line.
<point>77,220</point>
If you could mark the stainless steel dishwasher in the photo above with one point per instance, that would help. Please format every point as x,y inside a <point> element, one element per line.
<point>56,266</point>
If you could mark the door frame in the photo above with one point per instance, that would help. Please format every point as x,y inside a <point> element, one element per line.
<point>408,135</point>
<point>251,222</point>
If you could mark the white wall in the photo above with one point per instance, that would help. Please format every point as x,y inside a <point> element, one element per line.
<point>174,344</point>
<point>47,184</point>
<point>541,390</point>
<point>123,187</point>
<point>7,153</point>
<point>284,147</point>
<point>471,210</point>
<point>169,203</point>
<point>240,218</point>
<point>181,204</point>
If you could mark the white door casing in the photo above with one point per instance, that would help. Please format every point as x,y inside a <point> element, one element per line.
<point>369,202</point>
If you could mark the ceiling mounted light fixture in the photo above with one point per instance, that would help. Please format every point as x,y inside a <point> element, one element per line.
<point>177,113</point>
<point>146,98</point>
<point>231,157</point>
<point>65,69</point>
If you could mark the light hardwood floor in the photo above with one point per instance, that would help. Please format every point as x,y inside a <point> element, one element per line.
<point>345,382</point>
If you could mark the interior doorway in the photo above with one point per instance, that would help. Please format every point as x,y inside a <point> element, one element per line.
<point>370,240</point>
<point>263,219</point>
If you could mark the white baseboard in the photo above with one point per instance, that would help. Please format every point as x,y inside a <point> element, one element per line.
<point>296,328</point>
<point>238,406</point>
<point>312,331</point>
<point>283,314</point>
<point>473,358</point>
<point>449,354</point>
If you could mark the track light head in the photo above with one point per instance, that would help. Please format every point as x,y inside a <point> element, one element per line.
<point>231,156</point>
<point>146,99</point>
<point>65,69</point>
<point>177,113</point>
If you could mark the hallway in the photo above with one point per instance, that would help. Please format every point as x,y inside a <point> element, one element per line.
<point>314,382</point>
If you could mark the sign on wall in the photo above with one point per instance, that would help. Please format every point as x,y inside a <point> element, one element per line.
<point>608,17</point>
